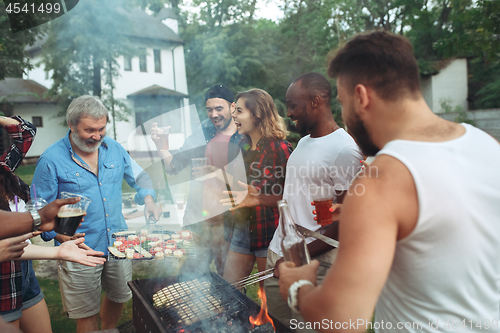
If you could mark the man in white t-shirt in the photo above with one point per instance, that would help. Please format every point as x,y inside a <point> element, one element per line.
<point>420,245</point>
<point>326,156</point>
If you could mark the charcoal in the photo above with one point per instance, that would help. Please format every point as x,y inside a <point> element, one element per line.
<point>266,328</point>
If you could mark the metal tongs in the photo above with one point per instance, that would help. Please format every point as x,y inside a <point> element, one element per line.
<point>150,226</point>
<point>253,278</point>
<point>264,275</point>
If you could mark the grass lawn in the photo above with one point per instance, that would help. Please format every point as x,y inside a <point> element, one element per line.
<point>62,324</point>
<point>25,172</point>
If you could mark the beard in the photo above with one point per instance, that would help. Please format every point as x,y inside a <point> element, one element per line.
<point>223,124</point>
<point>89,145</point>
<point>302,128</point>
<point>358,130</point>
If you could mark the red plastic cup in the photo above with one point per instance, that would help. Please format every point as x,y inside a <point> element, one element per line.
<point>323,199</point>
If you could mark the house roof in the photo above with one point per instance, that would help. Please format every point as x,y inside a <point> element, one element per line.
<point>165,13</point>
<point>156,90</point>
<point>142,26</point>
<point>17,90</point>
<point>147,26</point>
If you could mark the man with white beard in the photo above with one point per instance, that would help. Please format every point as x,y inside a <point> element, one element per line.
<point>89,163</point>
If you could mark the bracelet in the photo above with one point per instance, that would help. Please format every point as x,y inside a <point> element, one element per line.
<point>293,293</point>
<point>37,220</point>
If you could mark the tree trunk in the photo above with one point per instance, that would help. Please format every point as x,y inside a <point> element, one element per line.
<point>252,10</point>
<point>111,88</point>
<point>96,86</point>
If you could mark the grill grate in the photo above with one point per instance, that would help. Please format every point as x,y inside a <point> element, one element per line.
<point>205,304</point>
<point>186,303</point>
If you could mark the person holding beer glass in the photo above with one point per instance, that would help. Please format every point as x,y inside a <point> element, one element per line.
<point>265,154</point>
<point>22,303</point>
<point>90,164</point>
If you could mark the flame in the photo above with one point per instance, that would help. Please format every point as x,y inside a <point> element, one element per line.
<point>261,318</point>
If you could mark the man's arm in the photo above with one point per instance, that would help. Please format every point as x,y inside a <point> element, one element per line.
<point>15,224</point>
<point>370,225</point>
<point>194,146</point>
<point>138,179</point>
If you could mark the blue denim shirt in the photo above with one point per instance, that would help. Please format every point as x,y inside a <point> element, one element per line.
<point>61,169</point>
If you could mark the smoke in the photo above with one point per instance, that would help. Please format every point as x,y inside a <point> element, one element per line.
<point>201,195</point>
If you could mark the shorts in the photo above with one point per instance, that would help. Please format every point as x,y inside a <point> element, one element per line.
<point>240,242</point>
<point>81,286</point>
<point>32,295</point>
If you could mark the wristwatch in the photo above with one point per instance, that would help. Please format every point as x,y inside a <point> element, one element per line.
<point>37,220</point>
<point>293,293</point>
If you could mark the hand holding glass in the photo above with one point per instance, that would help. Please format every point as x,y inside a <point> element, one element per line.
<point>69,217</point>
<point>322,199</point>
<point>159,135</point>
<point>199,167</point>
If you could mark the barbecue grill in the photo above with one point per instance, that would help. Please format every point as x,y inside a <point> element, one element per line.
<point>206,303</point>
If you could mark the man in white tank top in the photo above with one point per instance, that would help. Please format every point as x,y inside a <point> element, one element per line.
<point>420,244</point>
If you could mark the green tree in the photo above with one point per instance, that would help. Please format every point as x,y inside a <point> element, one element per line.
<point>226,44</point>
<point>84,44</point>
<point>13,57</point>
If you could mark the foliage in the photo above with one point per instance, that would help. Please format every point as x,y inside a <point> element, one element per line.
<point>226,43</point>
<point>462,117</point>
<point>232,49</point>
<point>489,95</point>
<point>463,28</point>
<point>13,57</point>
<point>447,107</point>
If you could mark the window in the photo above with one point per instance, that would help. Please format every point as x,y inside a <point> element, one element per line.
<point>46,75</point>
<point>37,121</point>
<point>157,56</point>
<point>142,62</point>
<point>127,63</point>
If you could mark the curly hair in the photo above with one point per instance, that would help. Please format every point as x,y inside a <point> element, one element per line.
<point>261,105</point>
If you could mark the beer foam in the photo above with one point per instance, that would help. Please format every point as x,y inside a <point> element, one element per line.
<point>71,213</point>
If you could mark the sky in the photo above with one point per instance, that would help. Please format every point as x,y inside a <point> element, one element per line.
<point>269,9</point>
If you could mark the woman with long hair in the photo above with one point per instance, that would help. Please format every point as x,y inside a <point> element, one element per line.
<point>265,154</point>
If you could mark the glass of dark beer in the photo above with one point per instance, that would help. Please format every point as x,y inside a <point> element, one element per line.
<point>70,216</point>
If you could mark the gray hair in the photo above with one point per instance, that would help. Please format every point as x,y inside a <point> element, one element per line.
<point>85,107</point>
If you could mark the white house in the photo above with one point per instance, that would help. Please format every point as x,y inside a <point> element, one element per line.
<point>23,97</point>
<point>449,86</point>
<point>151,85</point>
